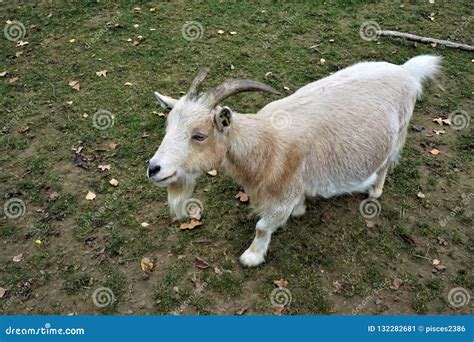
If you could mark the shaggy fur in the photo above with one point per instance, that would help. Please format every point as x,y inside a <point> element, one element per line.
<point>333,136</point>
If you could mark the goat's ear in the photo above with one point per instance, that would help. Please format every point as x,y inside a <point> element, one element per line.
<point>165,101</point>
<point>223,118</point>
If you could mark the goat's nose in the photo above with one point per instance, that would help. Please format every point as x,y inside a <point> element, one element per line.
<point>153,170</point>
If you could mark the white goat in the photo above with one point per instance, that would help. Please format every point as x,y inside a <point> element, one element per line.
<point>333,136</point>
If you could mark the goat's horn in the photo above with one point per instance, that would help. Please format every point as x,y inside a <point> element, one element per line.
<point>231,87</point>
<point>194,88</point>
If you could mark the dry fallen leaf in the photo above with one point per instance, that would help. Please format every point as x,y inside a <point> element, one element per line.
<point>75,85</point>
<point>435,152</point>
<point>3,73</point>
<point>217,270</point>
<point>369,224</point>
<point>144,224</point>
<point>13,80</point>
<point>128,84</point>
<point>24,130</point>
<point>241,311</point>
<point>90,196</point>
<point>441,131</point>
<point>220,31</point>
<point>101,73</point>
<point>242,196</point>
<point>113,182</point>
<point>286,88</point>
<point>72,40</point>
<point>281,283</point>
<point>145,135</point>
<point>69,103</point>
<point>439,121</point>
<point>442,241</point>
<point>435,262</point>
<point>233,33</point>
<point>322,61</point>
<point>200,263</point>
<point>420,194</point>
<point>2,292</point>
<point>337,286</point>
<point>53,196</point>
<point>21,43</point>
<point>104,167</point>
<point>147,265</point>
<point>153,9</point>
<point>279,310</point>
<point>212,173</point>
<point>446,121</point>
<point>397,282</point>
<point>18,258</point>
<point>190,225</point>
<point>113,146</point>
<point>18,54</point>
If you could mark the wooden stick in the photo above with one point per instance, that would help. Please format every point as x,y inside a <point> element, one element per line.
<point>425,40</point>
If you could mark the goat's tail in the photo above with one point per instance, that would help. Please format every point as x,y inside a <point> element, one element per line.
<point>424,67</point>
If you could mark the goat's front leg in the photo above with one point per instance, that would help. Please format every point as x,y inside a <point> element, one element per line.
<point>255,254</point>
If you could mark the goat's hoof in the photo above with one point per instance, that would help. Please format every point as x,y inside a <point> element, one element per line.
<point>299,211</point>
<point>251,259</point>
<point>375,193</point>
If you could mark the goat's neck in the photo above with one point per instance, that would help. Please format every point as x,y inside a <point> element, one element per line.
<point>252,146</point>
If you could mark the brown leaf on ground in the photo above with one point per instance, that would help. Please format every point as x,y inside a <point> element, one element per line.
<point>369,224</point>
<point>241,311</point>
<point>24,130</point>
<point>212,173</point>
<point>279,311</point>
<point>3,73</point>
<point>242,196</point>
<point>442,241</point>
<point>101,73</point>
<point>13,80</point>
<point>114,182</point>
<point>435,152</point>
<point>337,286</point>
<point>281,283</point>
<point>397,282</point>
<point>190,225</point>
<point>113,146</point>
<point>18,258</point>
<point>104,167</point>
<point>200,263</point>
<point>217,270</point>
<point>2,292</point>
<point>90,196</point>
<point>21,43</point>
<point>75,85</point>
<point>53,196</point>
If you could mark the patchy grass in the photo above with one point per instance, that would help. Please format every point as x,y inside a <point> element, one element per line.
<point>332,261</point>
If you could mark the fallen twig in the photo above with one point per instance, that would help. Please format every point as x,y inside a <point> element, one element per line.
<point>425,40</point>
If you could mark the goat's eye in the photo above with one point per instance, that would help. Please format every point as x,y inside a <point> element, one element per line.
<point>199,136</point>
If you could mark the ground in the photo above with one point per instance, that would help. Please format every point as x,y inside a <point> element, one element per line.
<point>334,260</point>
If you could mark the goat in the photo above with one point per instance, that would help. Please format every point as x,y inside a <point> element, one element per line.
<point>334,136</point>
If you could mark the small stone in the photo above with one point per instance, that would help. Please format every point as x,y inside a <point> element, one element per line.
<point>417,128</point>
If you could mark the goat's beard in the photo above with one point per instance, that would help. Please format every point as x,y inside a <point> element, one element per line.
<point>178,193</point>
